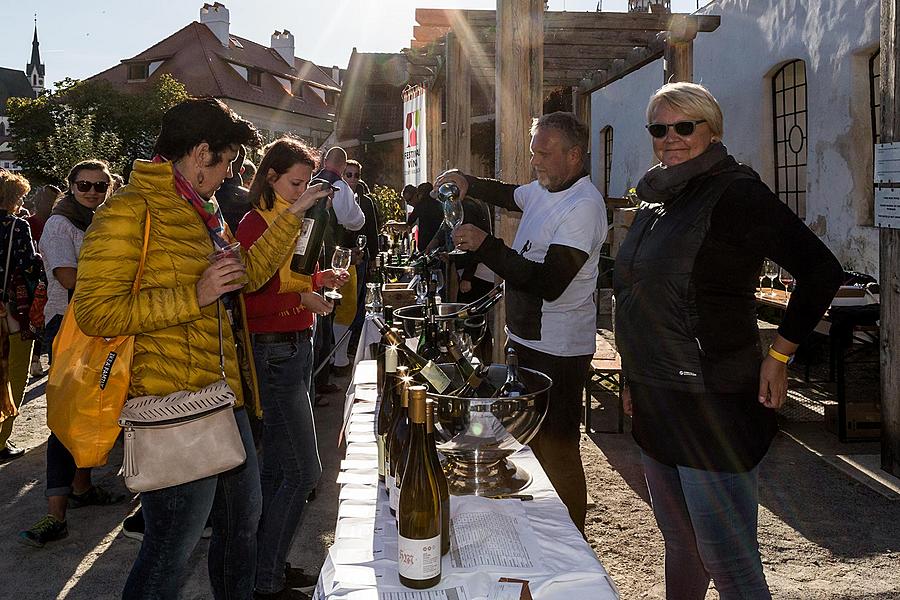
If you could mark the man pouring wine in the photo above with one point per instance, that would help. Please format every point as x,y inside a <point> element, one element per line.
<point>550,274</point>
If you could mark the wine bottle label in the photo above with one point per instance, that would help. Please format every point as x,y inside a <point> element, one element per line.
<point>419,559</point>
<point>433,374</point>
<point>390,361</point>
<point>305,233</point>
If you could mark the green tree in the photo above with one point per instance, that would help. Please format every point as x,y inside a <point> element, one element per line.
<point>113,125</point>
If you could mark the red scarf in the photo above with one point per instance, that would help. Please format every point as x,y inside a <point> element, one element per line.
<point>208,210</point>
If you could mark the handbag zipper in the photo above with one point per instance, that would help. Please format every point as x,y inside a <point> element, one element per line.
<point>176,420</point>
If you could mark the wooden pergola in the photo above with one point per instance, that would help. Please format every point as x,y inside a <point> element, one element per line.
<point>452,50</point>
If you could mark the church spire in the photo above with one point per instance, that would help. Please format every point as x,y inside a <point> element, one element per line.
<point>34,70</point>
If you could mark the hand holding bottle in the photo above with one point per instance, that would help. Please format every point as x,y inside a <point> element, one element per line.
<point>453,175</point>
<point>308,198</point>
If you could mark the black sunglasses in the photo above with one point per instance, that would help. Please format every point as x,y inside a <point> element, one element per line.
<point>350,175</point>
<point>85,186</point>
<point>683,128</point>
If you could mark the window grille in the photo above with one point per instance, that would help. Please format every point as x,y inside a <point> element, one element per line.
<point>790,127</point>
<point>875,95</point>
<point>607,135</point>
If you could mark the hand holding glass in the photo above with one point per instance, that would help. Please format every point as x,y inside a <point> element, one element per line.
<point>340,262</point>
<point>451,202</point>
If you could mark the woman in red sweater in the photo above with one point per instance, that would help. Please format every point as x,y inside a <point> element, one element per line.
<point>279,317</point>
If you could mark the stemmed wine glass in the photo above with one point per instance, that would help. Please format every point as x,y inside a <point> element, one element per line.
<point>771,270</point>
<point>361,242</point>
<point>786,279</point>
<point>340,262</point>
<point>451,202</point>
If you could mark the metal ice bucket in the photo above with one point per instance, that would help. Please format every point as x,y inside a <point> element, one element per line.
<point>413,317</point>
<point>476,435</point>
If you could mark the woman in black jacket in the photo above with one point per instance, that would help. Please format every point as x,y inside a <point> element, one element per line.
<point>702,391</point>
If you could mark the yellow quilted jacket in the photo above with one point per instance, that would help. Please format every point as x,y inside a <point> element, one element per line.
<point>176,344</point>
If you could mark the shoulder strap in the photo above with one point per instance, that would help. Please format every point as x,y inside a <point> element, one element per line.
<point>9,249</point>
<point>140,272</point>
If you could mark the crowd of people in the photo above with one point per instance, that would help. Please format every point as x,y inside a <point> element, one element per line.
<point>701,390</point>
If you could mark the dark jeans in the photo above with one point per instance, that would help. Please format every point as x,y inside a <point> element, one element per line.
<point>556,444</point>
<point>60,468</point>
<point>290,457</point>
<point>324,342</point>
<point>50,331</point>
<point>708,520</point>
<point>174,518</point>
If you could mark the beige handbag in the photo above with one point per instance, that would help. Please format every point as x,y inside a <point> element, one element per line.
<point>181,437</point>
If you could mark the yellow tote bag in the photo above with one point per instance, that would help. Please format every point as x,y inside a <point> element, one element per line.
<point>88,384</point>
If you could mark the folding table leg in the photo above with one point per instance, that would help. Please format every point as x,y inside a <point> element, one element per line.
<point>621,424</point>
<point>587,406</point>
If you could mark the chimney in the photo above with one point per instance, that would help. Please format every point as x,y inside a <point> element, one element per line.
<point>336,74</point>
<point>216,17</point>
<point>283,44</point>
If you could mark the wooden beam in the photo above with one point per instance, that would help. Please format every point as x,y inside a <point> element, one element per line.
<point>519,93</point>
<point>459,107</point>
<point>434,117</point>
<point>889,241</point>
<point>429,34</point>
<point>638,58</point>
<point>678,59</point>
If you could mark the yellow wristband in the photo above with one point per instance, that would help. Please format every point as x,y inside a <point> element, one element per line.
<point>783,358</point>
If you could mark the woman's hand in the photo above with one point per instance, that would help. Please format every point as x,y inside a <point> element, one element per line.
<point>627,406</point>
<point>316,304</point>
<point>333,279</point>
<point>309,198</point>
<point>218,279</point>
<point>772,383</point>
<point>457,177</point>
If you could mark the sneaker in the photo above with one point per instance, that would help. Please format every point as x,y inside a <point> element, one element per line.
<point>36,370</point>
<point>10,452</point>
<point>96,496</point>
<point>133,526</point>
<point>297,578</point>
<point>48,529</point>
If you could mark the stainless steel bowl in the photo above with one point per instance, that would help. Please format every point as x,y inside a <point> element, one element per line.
<point>477,435</point>
<point>413,317</point>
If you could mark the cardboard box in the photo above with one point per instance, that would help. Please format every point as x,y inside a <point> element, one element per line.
<point>863,420</point>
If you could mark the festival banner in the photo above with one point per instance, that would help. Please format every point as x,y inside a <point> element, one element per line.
<point>415,169</point>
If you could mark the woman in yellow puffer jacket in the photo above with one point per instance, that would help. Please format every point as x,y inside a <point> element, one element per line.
<point>174,319</point>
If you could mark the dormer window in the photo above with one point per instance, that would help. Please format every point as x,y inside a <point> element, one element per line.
<point>138,71</point>
<point>254,77</point>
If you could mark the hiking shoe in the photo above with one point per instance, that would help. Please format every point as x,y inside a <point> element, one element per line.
<point>133,526</point>
<point>297,578</point>
<point>95,496</point>
<point>48,529</point>
<point>10,452</point>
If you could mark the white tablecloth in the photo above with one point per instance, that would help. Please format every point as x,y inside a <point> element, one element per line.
<point>363,560</point>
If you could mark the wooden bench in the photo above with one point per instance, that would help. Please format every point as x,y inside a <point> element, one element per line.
<point>606,366</point>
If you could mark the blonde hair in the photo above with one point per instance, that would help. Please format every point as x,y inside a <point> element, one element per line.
<point>692,99</point>
<point>13,188</point>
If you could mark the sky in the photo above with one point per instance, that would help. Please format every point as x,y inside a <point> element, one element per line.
<point>80,42</point>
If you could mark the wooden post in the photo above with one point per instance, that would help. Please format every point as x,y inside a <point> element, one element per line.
<point>459,110</point>
<point>519,98</point>
<point>678,60</point>
<point>889,279</point>
<point>434,116</point>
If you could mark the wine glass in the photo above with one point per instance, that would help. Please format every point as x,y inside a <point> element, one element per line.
<point>771,269</point>
<point>361,242</point>
<point>787,280</point>
<point>451,202</point>
<point>340,262</point>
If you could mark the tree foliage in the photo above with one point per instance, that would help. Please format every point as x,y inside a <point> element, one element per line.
<point>388,204</point>
<point>88,119</point>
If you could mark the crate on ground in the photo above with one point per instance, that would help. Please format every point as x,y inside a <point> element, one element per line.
<point>863,420</point>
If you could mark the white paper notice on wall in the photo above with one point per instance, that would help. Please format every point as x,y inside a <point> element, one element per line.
<point>887,208</point>
<point>887,163</point>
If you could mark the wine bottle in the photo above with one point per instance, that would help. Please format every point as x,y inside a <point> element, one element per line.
<point>418,365</point>
<point>399,437</point>
<point>430,408</point>
<point>419,512</point>
<point>312,233</point>
<point>480,306</point>
<point>513,386</point>
<point>386,406</point>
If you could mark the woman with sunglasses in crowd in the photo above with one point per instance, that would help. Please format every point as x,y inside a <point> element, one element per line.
<point>701,390</point>
<point>177,319</point>
<point>61,239</point>
<point>280,318</point>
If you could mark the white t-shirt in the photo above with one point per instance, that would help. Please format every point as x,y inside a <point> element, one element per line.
<point>574,217</point>
<point>59,247</point>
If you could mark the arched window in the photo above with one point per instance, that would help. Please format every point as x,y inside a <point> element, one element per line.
<point>606,135</point>
<point>790,125</point>
<point>875,95</point>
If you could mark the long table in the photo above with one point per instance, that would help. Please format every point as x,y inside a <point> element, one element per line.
<point>544,546</point>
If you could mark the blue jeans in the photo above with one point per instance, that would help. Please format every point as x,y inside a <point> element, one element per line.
<point>708,520</point>
<point>290,457</point>
<point>174,518</point>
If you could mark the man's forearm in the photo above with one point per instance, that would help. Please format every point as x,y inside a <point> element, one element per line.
<point>493,192</point>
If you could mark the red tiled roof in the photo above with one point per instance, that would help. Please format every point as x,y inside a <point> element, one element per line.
<point>194,56</point>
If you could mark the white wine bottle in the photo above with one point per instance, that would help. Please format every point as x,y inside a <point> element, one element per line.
<point>399,437</point>
<point>430,408</point>
<point>513,387</point>
<point>386,406</point>
<point>418,366</point>
<point>419,513</point>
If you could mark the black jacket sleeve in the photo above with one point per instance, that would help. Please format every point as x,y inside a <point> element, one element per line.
<point>493,192</point>
<point>547,280</point>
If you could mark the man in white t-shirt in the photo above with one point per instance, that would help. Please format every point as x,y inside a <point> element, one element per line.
<point>551,278</point>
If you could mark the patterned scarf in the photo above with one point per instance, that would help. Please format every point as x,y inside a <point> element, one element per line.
<point>208,210</point>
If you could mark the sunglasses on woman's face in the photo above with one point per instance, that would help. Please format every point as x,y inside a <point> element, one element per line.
<point>351,175</point>
<point>85,186</point>
<point>682,128</point>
